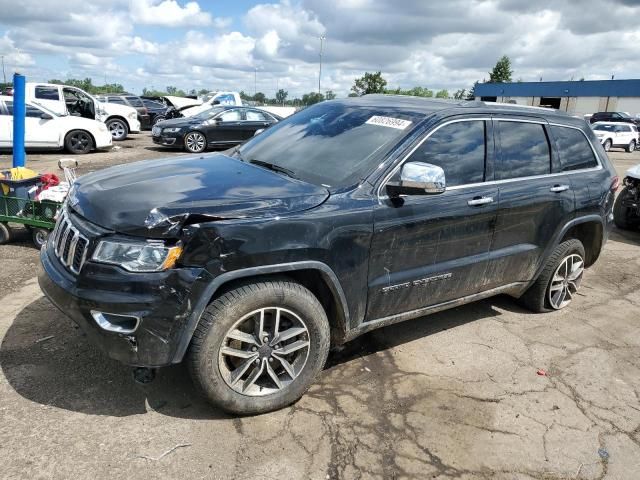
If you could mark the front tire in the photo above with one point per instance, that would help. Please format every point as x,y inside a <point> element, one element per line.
<point>39,236</point>
<point>195,142</point>
<point>78,142</point>
<point>259,347</point>
<point>5,233</point>
<point>158,118</point>
<point>607,145</point>
<point>631,147</point>
<point>559,281</point>
<point>624,216</point>
<point>118,128</point>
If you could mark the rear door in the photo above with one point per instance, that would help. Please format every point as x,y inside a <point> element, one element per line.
<point>536,199</point>
<point>428,249</point>
<point>38,131</point>
<point>255,120</point>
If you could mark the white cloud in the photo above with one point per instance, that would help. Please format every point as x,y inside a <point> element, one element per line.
<point>86,59</point>
<point>140,45</point>
<point>269,43</point>
<point>169,13</point>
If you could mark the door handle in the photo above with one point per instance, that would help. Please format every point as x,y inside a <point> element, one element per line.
<point>474,202</point>
<point>559,188</point>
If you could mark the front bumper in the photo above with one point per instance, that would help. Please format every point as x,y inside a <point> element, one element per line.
<point>163,301</point>
<point>134,125</point>
<point>167,141</point>
<point>104,140</point>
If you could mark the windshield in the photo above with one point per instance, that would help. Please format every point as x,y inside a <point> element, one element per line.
<point>606,128</point>
<point>332,144</point>
<point>211,112</point>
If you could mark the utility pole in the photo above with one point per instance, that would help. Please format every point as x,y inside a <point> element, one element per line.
<point>4,75</point>
<point>255,82</point>
<point>322,39</point>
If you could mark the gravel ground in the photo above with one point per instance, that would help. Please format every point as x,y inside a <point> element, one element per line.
<point>453,395</point>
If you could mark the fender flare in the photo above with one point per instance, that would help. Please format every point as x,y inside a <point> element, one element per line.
<point>210,290</point>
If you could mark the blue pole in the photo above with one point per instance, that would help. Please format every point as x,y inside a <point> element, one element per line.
<point>19,114</point>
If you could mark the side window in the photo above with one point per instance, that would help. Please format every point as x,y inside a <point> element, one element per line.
<point>230,116</point>
<point>135,101</point>
<point>459,149</point>
<point>256,116</point>
<point>615,115</point>
<point>575,150</point>
<point>32,111</point>
<point>47,93</point>
<point>524,150</point>
<point>117,100</point>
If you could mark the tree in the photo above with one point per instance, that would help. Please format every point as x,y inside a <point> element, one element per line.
<point>259,97</point>
<point>281,96</point>
<point>244,96</point>
<point>442,93</point>
<point>312,97</point>
<point>502,72</point>
<point>460,94</point>
<point>88,86</point>
<point>203,91</point>
<point>329,95</point>
<point>369,83</point>
<point>472,93</point>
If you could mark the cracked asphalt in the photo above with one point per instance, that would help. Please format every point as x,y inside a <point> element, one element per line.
<point>454,395</point>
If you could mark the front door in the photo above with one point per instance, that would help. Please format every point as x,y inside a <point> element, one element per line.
<point>228,128</point>
<point>429,249</point>
<point>6,127</point>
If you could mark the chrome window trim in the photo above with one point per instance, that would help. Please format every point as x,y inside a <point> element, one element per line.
<point>492,182</point>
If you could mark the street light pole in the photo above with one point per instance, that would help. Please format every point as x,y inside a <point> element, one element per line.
<point>322,39</point>
<point>4,75</point>
<point>255,82</point>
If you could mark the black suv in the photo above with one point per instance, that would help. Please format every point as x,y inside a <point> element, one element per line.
<point>130,100</point>
<point>613,117</point>
<point>348,216</point>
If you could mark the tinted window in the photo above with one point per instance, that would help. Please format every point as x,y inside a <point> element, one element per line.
<point>459,149</point>
<point>524,150</point>
<point>575,150</point>
<point>256,116</point>
<point>117,100</point>
<point>47,93</point>
<point>230,116</point>
<point>135,101</point>
<point>32,111</point>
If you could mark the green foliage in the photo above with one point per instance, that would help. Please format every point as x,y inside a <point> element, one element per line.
<point>460,94</point>
<point>415,91</point>
<point>311,98</point>
<point>352,94</point>
<point>369,83</point>
<point>173,91</point>
<point>259,97</point>
<point>442,93</point>
<point>329,95</point>
<point>502,72</point>
<point>203,91</point>
<point>88,86</point>
<point>472,93</point>
<point>281,96</point>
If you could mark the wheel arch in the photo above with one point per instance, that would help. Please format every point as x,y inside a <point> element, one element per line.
<point>590,230</point>
<point>318,277</point>
<point>118,117</point>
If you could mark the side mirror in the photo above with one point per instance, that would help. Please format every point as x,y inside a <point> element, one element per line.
<point>417,178</point>
<point>46,116</point>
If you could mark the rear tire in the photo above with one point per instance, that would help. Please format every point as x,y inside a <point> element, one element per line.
<point>607,145</point>
<point>632,146</point>
<point>39,236</point>
<point>621,213</point>
<point>118,128</point>
<point>234,355</point>
<point>542,295</point>
<point>78,142</point>
<point>5,233</point>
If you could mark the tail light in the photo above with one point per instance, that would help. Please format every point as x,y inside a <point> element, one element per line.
<point>615,183</point>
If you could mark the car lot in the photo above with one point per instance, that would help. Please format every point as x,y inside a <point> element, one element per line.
<point>454,395</point>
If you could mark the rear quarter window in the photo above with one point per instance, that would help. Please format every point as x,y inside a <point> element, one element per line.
<point>47,93</point>
<point>574,149</point>
<point>524,150</point>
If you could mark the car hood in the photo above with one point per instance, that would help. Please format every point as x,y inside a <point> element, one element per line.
<point>179,122</point>
<point>156,198</point>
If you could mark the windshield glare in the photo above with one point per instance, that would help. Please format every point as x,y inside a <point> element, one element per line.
<point>331,144</point>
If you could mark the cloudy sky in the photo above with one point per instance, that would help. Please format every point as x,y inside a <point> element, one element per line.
<point>219,44</point>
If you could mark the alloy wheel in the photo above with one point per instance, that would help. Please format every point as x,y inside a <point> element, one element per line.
<point>607,145</point>
<point>264,351</point>
<point>566,281</point>
<point>116,128</point>
<point>80,142</point>
<point>195,142</point>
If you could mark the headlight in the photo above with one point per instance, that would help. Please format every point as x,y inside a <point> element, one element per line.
<point>137,256</point>
<point>171,130</point>
<point>133,115</point>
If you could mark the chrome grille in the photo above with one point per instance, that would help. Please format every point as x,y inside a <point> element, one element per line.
<point>69,245</point>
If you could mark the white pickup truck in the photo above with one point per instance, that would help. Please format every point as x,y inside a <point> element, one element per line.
<point>64,99</point>
<point>229,98</point>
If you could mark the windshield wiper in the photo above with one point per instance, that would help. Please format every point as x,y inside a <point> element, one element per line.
<point>273,167</point>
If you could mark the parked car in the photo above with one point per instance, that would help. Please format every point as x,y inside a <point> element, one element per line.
<point>619,135</point>
<point>613,117</point>
<point>66,100</point>
<point>218,126</point>
<point>626,211</point>
<point>348,216</point>
<point>132,101</point>
<point>157,110</point>
<point>46,129</point>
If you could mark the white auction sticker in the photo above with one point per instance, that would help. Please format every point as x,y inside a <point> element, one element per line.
<point>391,122</point>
